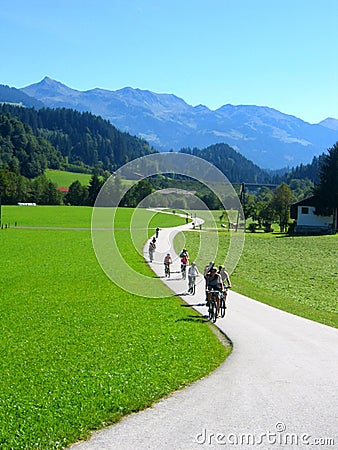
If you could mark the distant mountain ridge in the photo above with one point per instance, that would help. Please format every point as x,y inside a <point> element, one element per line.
<point>263,135</point>
<point>62,138</point>
<point>330,123</point>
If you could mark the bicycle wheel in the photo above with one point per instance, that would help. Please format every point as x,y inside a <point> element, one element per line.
<point>193,289</point>
<point>214,311</point>
<point>222,307</point>
<point>210,311</point>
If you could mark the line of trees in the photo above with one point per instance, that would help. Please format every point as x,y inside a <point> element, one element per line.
<point>327,188</point>
<point>15,188</point>
<point>82,195</point>
<point>269,206</point>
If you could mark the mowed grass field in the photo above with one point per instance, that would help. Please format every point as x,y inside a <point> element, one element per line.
<point>78,352</point>
<point>81,217</point>
<point>296,274</point>
<point>65,179</point>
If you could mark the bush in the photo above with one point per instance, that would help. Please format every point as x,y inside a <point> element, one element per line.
<point>253,227</point>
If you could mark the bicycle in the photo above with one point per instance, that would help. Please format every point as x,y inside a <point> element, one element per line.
<point>184,271</point>
<point>222,303</point>
<point>222,306</point>
<point>212,307</point>
<point>167,269</point>
<point>192,284</point>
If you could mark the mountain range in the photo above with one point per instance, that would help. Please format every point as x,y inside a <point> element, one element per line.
<point>269,138</point>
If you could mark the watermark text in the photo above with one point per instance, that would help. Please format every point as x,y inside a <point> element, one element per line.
<point>278,437</point>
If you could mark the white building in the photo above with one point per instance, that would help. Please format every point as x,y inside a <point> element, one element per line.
<point>307,220</point>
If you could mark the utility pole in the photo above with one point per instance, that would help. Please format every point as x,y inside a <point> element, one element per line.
<point>2,191</point>
<point>242,197</point>
<point>242,201</point>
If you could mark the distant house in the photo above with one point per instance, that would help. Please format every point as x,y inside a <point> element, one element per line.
<point>63,189</point>
<point>26,204</point>
<point>308,221</point>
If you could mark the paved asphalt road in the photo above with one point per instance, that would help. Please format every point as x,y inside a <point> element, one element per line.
<point>278,388</point>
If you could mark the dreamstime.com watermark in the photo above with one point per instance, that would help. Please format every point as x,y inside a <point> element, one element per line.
<point>279,437</point>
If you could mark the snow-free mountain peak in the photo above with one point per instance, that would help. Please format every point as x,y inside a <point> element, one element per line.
<point>269,138</point>
<point>330,123</point>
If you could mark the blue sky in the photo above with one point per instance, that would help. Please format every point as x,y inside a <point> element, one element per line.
<point>277,53</point>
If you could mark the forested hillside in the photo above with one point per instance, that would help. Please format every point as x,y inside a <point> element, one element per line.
<point>305,171</point>
<point>235,166</point>
<point>21,149</point>
<point>81,139</point>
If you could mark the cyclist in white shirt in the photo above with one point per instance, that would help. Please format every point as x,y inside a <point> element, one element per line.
<point>192,274</point>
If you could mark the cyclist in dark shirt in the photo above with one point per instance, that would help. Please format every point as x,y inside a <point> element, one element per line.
<point>214,282</point>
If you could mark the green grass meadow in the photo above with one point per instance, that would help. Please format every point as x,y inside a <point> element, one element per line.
<point>81,217</point>
<point>47,216</point>
<point>296,274</point>
<point>78,352</point>
<point>65,179</point>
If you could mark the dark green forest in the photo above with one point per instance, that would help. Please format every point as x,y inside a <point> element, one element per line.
<point>304,171</point>
<point>235,166</point>
<point>80,140</point>
<point>21,149</point>
<point>34,140</point>
<point>16,188</point>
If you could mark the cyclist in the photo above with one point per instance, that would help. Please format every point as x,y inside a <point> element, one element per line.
<point>225,278</point>
<point>184,252</point>
<point>208,267</point>
<point>224,275</point>
<point>151,249</point>
<point>214,282</point>
<point>167,261</point>
<point>184,263</point>
<point>192,274</point>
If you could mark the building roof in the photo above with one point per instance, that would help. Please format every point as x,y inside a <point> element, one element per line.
<point>309,201</point>
<point>63,189</point>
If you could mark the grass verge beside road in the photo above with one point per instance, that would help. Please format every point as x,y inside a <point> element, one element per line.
<point>296,274</point>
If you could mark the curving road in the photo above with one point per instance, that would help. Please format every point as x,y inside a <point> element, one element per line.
<point>278,388</point>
